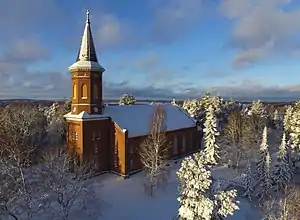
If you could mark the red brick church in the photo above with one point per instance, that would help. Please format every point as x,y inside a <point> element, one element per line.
<point>111,135</point>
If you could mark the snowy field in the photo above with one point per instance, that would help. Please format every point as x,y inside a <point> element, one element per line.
<point>125,199</point>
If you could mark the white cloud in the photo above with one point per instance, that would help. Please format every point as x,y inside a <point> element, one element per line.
<point>261,28</point>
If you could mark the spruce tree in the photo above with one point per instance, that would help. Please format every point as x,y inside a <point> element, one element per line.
<point>197,202</point>
<point>248,182</point>
<point>282,173</point>
<point>266,183</point>
<point>210,134</point>
<point>260,164</point>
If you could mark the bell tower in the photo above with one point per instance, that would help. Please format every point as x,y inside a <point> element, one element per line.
<point>86,76</point>
<point>89,131</point>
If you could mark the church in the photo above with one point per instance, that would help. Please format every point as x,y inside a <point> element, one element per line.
<point>110,135</point>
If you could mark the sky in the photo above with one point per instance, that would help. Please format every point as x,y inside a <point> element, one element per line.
<point>162,49</point>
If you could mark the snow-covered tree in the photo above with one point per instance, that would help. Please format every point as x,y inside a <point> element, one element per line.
<point>210,134</point>
<point>56,124</point>
<point>192,107</point>
<point>257,118</point>
<point>293,126</point>
<point>248,182</point>
<point>127,99</point>
<point>173,102</point>
<point>287,117</point>
<point>205,100</point>
<point>263,151</point>
<point>263,174</point>
<point>266,181</point>
<point>282,174</point>
<point>277,120</point>
<point>257,108</point>
<point>197,202</point>
<point>67,105</point>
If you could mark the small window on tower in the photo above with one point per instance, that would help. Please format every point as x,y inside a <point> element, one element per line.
<point>95,91</point>
<point>84,91</point>
<point>74,91</point>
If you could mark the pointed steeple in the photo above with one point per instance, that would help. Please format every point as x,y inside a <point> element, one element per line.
<point>87,57</point>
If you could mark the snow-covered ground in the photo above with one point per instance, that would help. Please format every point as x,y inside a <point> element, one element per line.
<point>125,199</point>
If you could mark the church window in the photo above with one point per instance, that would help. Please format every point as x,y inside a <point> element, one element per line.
<point>84,91</point>
<point>74,136</point>
<point>95,91</point>
<point>175,146</point>
<point>74,91</point>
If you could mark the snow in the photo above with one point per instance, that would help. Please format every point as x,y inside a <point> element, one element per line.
<point>84,115</point>
<point>125,199</point>
<point>135,118</point>
<point>83,64</point>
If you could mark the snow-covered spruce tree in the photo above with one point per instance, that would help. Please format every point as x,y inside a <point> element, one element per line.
<point>263,174</point>
<point>282,173</point>
<point>293,126</point>
<point>196,199</point>
<point>211,147</point>
<point>287,117</point>
<point>263,151</point>
<point>248,182</point>
<point>276,120</point>
<point>205,100</point>
<point>127,99</point>
<point>265,189</point>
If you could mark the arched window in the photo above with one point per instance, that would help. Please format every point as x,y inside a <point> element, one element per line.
<point>95,90</point>
<point>74,91</point>
<point>175,146</point>
<point>84,91</point>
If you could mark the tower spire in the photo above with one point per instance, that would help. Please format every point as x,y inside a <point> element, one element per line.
<point>87,56</point>
<point>87,16</point>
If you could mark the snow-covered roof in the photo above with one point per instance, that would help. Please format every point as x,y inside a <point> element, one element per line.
<point>135,118</point>
<point>84,115</point>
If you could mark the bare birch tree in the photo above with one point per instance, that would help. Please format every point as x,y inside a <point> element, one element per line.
<point>286,206</point>
<point>21,132</point>
<point>154,152</point>
<point>66,182</point>
<point>239,136</point>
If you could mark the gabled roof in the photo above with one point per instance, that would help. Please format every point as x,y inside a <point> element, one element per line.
<point>135,118</point>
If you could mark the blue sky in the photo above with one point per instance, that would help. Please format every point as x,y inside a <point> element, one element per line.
<point>245,49</point>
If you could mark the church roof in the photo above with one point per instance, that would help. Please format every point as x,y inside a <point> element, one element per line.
<point>135,118</point>
<point>87,57</point>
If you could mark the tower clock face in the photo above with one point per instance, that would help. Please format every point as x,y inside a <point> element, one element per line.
<point>95,109</point>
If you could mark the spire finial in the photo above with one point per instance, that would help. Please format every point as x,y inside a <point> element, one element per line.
<point>87,16</point>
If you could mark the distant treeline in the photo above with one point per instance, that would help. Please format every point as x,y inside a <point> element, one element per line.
<point>5,102</point>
